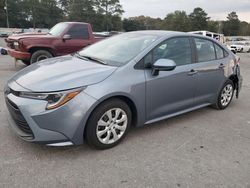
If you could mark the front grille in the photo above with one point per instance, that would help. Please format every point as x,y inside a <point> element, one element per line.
<point>10,44</point>
<point>18,118</point>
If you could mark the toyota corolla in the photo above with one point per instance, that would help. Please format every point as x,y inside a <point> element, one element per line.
<point>132,79</point>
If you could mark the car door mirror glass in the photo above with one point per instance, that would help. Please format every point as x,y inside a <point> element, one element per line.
<point>163,65</point>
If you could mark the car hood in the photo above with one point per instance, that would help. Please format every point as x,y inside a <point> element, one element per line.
<point>62,73</point>
<point>17,37</point>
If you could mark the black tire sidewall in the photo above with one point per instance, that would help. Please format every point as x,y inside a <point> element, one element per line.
<point>26,62</point>
<point>90,130</point>
<point>38,53</point>
<point>219,105</point>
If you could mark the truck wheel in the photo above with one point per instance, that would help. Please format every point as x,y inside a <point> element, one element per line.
<point>40,55</point>
<point>26,62</point>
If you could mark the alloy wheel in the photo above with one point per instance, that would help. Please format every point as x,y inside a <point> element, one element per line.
<point>226,95</point>
<point>111,126</point>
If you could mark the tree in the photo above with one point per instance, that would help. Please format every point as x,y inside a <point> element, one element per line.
<point>198,19</point>
<point>214,26</point>
<point>177,21</point>
<point>2,14</point>
<point>244,29</point>
<point>232,25</point>
<point>109,8</point>
<point>41,13</point>
<point>133,24</point>
<point>81,10</point>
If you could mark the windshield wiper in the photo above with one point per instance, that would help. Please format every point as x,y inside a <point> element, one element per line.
<point>90,58</point>
<point>94,59</point>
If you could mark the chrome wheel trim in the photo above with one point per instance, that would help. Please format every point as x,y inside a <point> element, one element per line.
<point>41,57</point>
<point>226,95</point>
<point>111,126</point>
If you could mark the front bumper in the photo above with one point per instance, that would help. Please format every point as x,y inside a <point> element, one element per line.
<point>18,54</point>
<point>52,127</point>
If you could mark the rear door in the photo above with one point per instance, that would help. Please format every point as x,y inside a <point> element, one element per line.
<point>170,91</point>
<point>210,65</point>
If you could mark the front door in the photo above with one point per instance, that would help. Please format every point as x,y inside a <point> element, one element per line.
<point>79,38</point>
<point>170,91</point>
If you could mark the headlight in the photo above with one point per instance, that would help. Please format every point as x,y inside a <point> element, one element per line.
<point>54,100</point>
<point>16,44</point>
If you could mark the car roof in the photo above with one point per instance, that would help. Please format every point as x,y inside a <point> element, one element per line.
<point>159,32</point>
<point>75,22</point>
<point>165,33</point>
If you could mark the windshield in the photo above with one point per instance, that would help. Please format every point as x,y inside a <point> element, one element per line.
<point>120,49</point>
<point>58,29</point>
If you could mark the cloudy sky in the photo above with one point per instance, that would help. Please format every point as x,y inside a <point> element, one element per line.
<point>216,9</point>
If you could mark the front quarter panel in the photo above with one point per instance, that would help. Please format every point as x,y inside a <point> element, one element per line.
<point>127,82</point>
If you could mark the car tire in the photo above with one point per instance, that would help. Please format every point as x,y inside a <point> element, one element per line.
<point>26,62</point>
<point>108,124</point>
<point>225,96</point>
<point>40,55</point>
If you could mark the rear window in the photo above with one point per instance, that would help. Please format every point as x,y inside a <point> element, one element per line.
<point>219,51</point>
<point>205,50</point>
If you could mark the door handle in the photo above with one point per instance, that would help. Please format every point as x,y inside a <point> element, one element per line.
<point>221,66</point>
<point>192,72</point>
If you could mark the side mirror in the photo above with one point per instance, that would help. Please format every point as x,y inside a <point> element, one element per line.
<point>66,37</point>
<point>163,65</point>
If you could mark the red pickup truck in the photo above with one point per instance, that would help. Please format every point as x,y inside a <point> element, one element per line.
<point>64,38</point>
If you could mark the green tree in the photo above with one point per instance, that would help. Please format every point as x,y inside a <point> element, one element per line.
<point>244,29</point>
<point>232,25</point>
<point>213,26</point>
<point>41,13</point>
<point>177,21</point>
<point>198,19</point>
<point>81,10</point>
<point>2,14</point>
<point>133,24</point>
<point>109,8</point>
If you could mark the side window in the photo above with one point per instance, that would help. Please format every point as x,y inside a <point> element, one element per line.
<point>219,51</point>
<point>205,50</point>
<point>176,49</point>
<point>79,31</point>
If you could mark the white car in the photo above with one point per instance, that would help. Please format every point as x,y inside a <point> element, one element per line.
<point>241,46</point>
<point>234,50</point>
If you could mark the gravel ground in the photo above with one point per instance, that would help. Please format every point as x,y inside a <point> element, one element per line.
<point>204,148</point>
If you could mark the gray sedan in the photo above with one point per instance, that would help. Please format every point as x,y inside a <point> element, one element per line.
<point>132,79</point>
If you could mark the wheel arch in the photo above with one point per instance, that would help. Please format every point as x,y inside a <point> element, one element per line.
<point>125,99</point>
<point>234,79</point>
<point>36,48</point>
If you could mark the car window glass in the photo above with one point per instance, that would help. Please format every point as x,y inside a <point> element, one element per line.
<point>205,50</point>
<point>148,60</point>
<point>79,31</point>
<point>219,52</point>
<point>176,49</point>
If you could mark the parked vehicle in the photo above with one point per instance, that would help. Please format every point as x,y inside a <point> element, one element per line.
<point>64,38</point>
<point>3,51</point>
<point>217,36</point>
<point>127,80</point>
<point>4,34</point>
<point>241,46</point>
<point>234,50</point>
